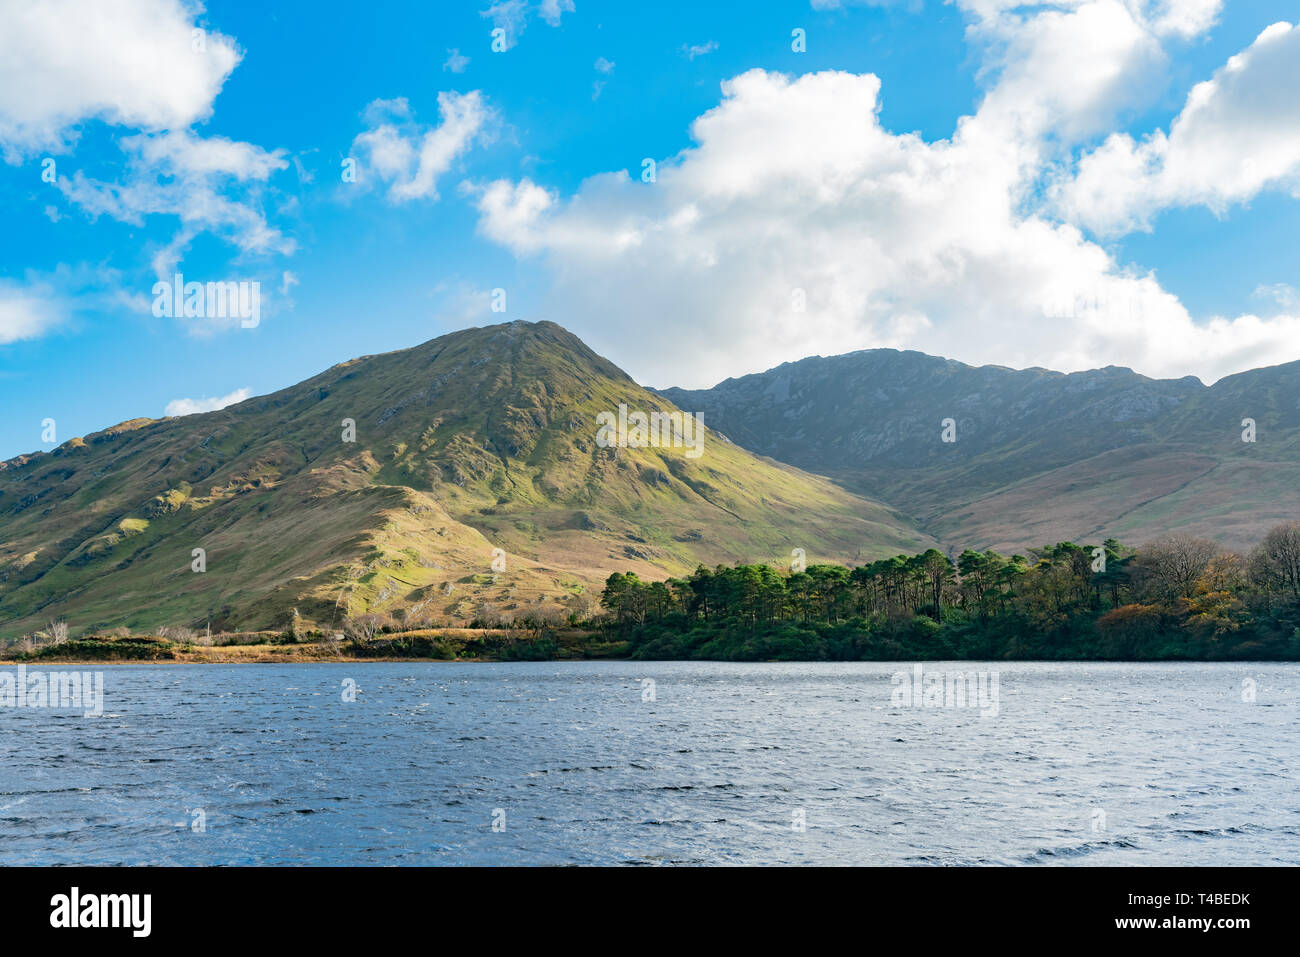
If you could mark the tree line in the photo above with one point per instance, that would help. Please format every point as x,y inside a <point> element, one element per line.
<point>1179,597</point>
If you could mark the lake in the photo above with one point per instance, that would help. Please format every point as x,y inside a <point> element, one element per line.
<point>660,763</point>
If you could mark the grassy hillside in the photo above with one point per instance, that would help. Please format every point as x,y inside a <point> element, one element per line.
<point>480,440</point>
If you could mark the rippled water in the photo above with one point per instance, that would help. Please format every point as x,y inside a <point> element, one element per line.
<point>1083,764</point>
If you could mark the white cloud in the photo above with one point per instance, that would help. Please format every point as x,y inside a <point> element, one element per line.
<point>456,62</point>
<point>39,302</point>
<point>1237,134</point>
<point>1184,18</point>
<point>410,157</point>
<point>209,184</point>
<point>1284,295</point>
<point>606,68</point>
<point>27,311</point>
<point>130,63</point>
<point>842,4</point>
<point>1060,72</point>
<point>144,66</point>
<point>511,215</point>
<point>552,10</point>
<point>191,406</point>
<point>793,187</point>
<point>183,154</point>
<point>511,16</point>
<point>461,303</point>
<point>692,50</point>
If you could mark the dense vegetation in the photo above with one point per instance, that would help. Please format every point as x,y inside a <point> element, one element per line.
<point>1179,597</point>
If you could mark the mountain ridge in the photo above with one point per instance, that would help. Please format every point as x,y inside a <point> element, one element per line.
<point>469,450</point>
<point>1022,426</point>
<point>480,445</point>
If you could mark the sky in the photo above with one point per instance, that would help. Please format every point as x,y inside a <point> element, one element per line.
<point>696,190</point>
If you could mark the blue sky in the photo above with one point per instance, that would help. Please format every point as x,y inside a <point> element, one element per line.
<point>916,229</point>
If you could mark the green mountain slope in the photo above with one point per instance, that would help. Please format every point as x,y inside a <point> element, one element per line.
<point>480,440</point>
<point>1039,456</point>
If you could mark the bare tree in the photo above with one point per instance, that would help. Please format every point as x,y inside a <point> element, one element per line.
<point>580,606</point>
<point>1275,562</point>
<point>365,627</point>
<point>489,615</point>
<point>1170,567</point>
<point>58,632</point>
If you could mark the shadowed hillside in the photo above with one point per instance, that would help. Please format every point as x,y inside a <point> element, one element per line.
<point>1039,456</point>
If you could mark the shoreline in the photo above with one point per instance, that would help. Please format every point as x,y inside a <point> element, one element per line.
<point>451,644</point>
<point>281,659</point>
<point>477,646</point>
<point>270,659</point>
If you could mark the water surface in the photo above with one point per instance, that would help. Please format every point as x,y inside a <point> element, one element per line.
<point>585,763</point>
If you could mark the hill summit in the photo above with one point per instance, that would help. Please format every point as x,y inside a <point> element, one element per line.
<point>439,483</point>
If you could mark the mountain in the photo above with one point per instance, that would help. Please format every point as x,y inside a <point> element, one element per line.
<point>482,439</point>
<point>1039,456</point>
